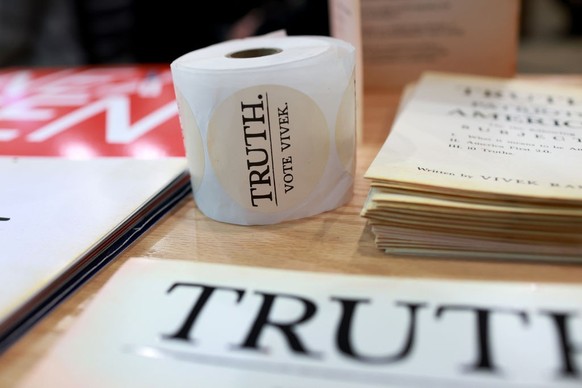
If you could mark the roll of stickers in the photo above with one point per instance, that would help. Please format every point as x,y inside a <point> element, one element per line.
<point>269,126</point>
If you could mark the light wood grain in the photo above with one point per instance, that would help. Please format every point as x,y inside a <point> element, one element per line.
<point>336,241</point>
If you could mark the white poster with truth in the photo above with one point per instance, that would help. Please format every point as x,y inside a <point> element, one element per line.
<point>216,325</point>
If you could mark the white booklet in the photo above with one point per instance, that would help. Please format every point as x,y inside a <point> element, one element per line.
<point>62,220</point>
<point>90,158</point>
<point>174,323</point>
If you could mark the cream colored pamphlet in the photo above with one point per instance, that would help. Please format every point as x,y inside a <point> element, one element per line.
<point>170,323</point>
<point>401,39</point>
<point>491,137</point>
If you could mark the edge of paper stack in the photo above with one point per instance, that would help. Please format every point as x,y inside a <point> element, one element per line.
<point>480,167</point>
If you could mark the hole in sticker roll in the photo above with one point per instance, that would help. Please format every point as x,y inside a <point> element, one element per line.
<point>254,53</point>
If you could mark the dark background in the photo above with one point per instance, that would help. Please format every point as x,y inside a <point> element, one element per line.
<point>72,32</point>
<point>79,32</point>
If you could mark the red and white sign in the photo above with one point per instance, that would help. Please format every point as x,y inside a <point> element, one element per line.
<point>87,112</point>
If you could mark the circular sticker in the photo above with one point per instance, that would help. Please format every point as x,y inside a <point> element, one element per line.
<point>269,146</point>
<point>192,141</point>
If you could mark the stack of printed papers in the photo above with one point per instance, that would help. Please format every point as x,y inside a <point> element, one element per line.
<point>480,167</point>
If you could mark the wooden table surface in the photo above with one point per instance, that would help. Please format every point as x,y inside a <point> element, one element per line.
<point>336,241</point>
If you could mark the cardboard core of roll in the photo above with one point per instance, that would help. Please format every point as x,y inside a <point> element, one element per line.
<point>254,53</point>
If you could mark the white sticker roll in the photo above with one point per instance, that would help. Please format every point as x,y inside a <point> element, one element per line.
<point>269,126</point>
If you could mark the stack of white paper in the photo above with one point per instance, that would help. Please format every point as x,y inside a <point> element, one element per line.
<point>481,167</point>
